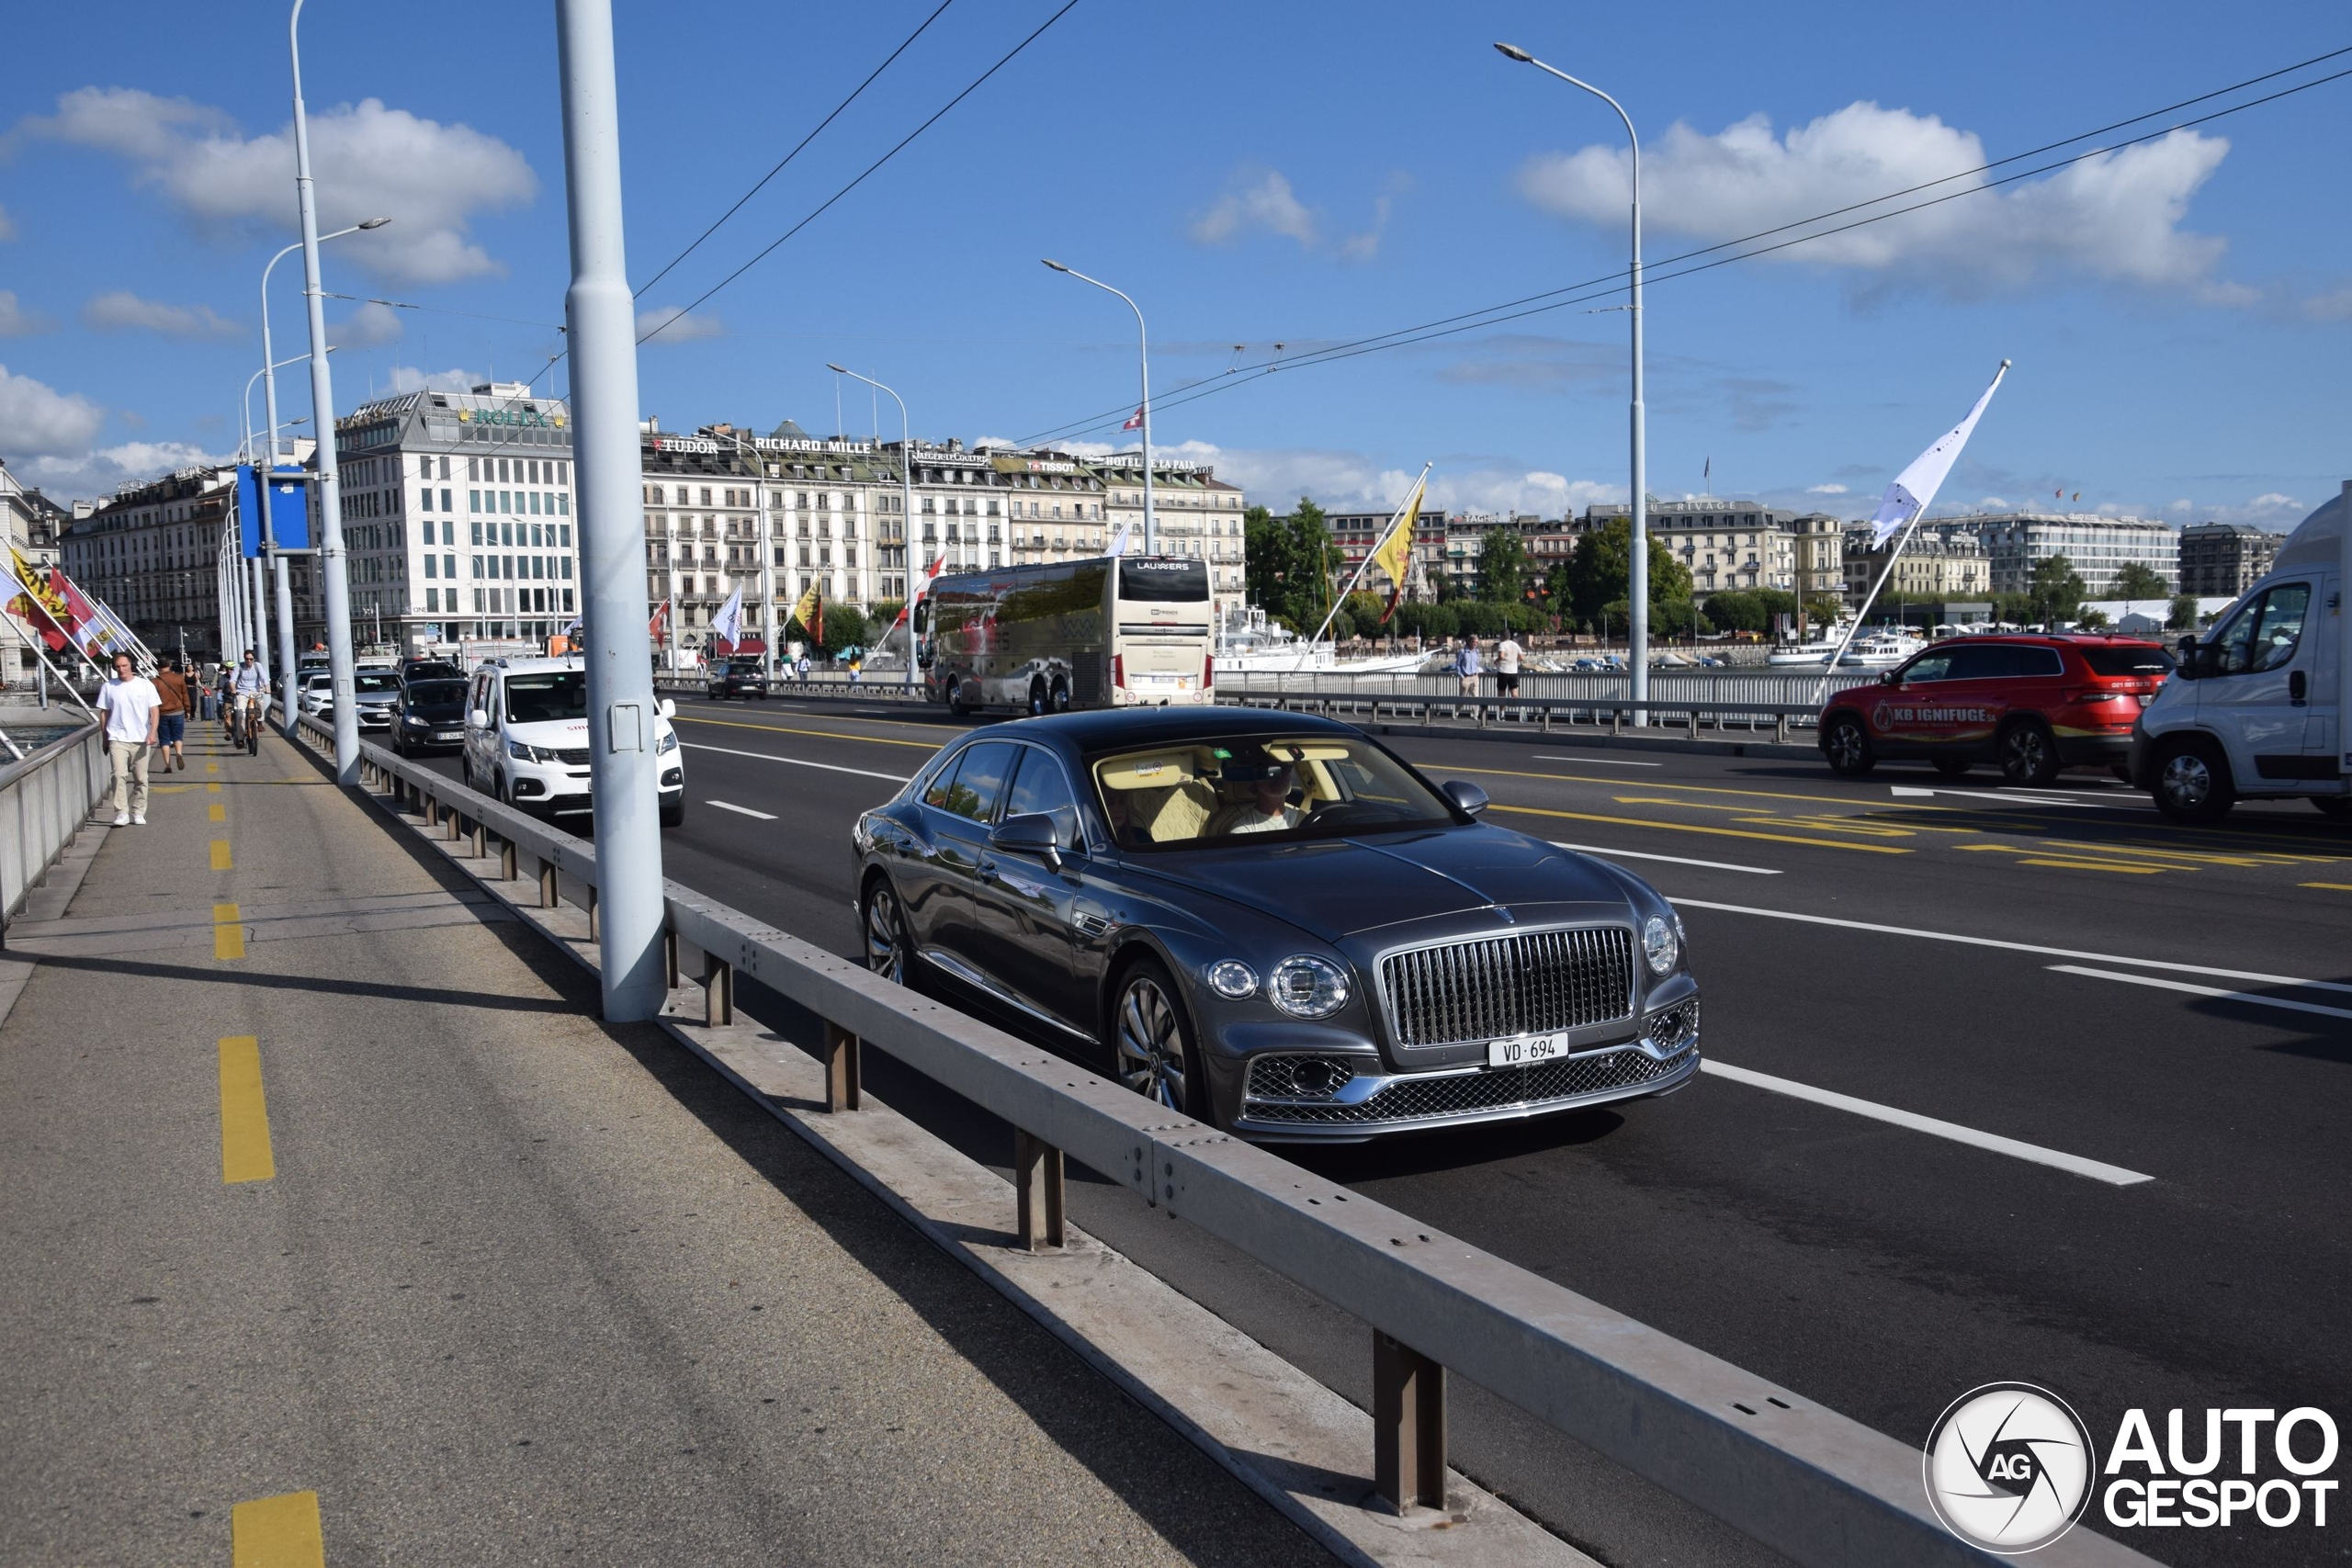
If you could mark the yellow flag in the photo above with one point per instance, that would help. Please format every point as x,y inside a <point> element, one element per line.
<point>1393,555</point>
<point>810,613</point>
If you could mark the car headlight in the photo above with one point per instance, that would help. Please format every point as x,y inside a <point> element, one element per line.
<point>1660,944</point>
<point>1231,978</point>
<point>1307,988</point>
<point>411,718</point>
<point>523,752</point>
<point>668,742</point>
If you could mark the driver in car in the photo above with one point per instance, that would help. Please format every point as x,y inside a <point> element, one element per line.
<point>1265,809</point>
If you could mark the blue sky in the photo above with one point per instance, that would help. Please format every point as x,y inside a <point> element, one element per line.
<point>1304,174</point>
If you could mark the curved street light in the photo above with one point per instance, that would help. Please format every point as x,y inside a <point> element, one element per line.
<point>1142,412</point>
<point>906,500</point>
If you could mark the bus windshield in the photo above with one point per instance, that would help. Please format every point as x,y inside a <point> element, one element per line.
<point>1155,580</point>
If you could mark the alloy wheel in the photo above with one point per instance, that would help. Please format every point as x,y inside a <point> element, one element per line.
<point>886,951</point>
<point>1150,1043</point>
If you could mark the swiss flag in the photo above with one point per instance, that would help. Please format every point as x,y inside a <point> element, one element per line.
<point>1135,424</point>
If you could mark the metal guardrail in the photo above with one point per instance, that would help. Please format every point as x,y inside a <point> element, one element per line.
<point>1695,720</point>
<point>1791,686</point>
<point>44,801</point>
<point>1822,1489</point>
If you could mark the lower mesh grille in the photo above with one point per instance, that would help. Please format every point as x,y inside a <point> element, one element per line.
<point>1496,1088</point>
<point>1298,1077</point>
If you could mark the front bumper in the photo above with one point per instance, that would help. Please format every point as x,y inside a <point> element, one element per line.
<point>1290,1097</point>
<point>561,789</point>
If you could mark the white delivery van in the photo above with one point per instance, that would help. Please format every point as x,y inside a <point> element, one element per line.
<point>2253,710</point>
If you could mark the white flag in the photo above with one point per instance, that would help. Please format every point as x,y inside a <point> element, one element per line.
<point>1915,488</point>
<point>728,625</point>
<point>1119,541</point>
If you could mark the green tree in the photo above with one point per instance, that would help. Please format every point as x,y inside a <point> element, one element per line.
<point>1265,555</point>
<point>1823,609</point>
<point>2184,613</point>
<point>2140,580</point>
<point>1737,611</point>
<point>2056,588</point>
<point>2093,620</point>
<point>1310,554</point>
<point>1502,567</point>
<point>1600,570</point>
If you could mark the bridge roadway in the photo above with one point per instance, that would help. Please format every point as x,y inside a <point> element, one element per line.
<point>1879,1269</point>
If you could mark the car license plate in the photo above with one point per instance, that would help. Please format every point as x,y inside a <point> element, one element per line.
<point>1527,1048</point>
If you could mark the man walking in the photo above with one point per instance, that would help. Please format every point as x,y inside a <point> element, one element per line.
<point>171,727</point>
<point>1465,665</point>
<point>132,712</point>
<point>1507,657</point>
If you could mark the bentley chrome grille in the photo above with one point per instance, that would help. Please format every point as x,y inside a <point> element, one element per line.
<point>1525,983</point>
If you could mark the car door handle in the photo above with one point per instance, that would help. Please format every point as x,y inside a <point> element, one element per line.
<point>986,868</point>
<point>2295,686</point>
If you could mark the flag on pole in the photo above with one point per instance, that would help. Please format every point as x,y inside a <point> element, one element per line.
<point>1915,488</point>
<point>1119,540</point>
<point>810,613</point>
<point>922,586</point>
<point>654,628</point>
<point>1393,555</point>
<point>1708,471</point>
<point>38,604</point>
<point>1136,423</point>
<point>728,625</point>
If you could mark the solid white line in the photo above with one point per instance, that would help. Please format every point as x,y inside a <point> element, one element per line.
<point>2097,1170</point>
<point>745,810</point>
<point>2019,946</point>
<point>795,761</point>
<point>2288,1003</point>
<point>1607,853</point>
<point>1604,762</point>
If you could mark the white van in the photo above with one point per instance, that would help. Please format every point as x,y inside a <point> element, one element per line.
<point>2253,710</point>
<point>526,738</point>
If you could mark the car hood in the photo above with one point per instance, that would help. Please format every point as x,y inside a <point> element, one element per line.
<point>1340,887</point>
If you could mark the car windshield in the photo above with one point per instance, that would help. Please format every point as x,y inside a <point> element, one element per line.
<point>450,692</point>
<point>369,681</point>
<point>559,693</point>
<point>2127,660</point>
<point>1188,795</point>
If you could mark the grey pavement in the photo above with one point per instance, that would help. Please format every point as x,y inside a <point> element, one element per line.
<point>522,1288</point>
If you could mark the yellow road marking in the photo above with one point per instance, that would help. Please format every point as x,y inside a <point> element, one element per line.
<point>213,789</point>
<point>826,734</point>
<point>2096,865</point>
<point>276,1532</point>
<point>2330,887</point>
<point>244,1118</point>
<point>1700,789</point>
<point>211,767</point>
<point>1700,828</point>
<point>1685,805</point>
<point>228,932</point>
<point>220,855</point>
<point>1832,825</point>
<point>2078,845</point>
<point>219,812</point>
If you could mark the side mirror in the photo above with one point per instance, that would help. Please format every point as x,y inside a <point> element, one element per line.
<point>2187,668</point>
<point>479,719</point>
<point>1467,797</point>
<point>667,707</point>
<point>1886,678</point>
<point>1030,833</point>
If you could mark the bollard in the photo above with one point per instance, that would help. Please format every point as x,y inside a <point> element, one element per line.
<point>843,1068</point>
<point>1408,1425</point>
<point>550,894</point>
<point>717,991</point>
<point>1037,1186</point>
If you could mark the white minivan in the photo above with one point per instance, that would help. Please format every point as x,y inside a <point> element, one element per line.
<point>526,738</point>
<point>2252,712</point>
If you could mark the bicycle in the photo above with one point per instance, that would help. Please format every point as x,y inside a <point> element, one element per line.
<point>244,724</point>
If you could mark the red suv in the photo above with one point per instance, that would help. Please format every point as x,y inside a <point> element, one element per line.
<point>2034,704</point>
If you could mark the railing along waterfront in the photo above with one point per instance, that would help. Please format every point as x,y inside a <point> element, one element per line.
<point>44,801</point>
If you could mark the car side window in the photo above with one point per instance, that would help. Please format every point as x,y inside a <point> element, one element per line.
<point>934,793</point>
<point>1041,786</point>
<point>980,778</point>
<point>1978,663</point>
<point>1928,667</point>
<point>2264,633</point>
<point>2034,661</point>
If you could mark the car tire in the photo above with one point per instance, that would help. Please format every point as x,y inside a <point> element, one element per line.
<point>1847,745</point>
<point>1152,1047</point>
<point>2332,805</point>
<point>673,814</point>
<point>1038,698</point>
<point>1954,767</point>
<point>2029,754</point>
<point>956,706</point>
<point>1059,700</point>
<point>2191,785</point>
<point>882,920</point>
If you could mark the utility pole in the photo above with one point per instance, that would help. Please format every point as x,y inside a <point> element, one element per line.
<point>623,764</point>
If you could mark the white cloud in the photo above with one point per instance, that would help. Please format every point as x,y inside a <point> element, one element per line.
<point>1363,247</point>
<point>89,475</point>
<point>121,310</point>
<point>2114,217</point>
<point>1267,203</point>
<point>370,161</point>
<point>1338,479</point>
<point>676,328</point>
<point>18,322</point>
<point>410,379</point>
<point>370,326</point>
<point>1824,490</point>
<point>37,421</point>
<point>2335,305</point>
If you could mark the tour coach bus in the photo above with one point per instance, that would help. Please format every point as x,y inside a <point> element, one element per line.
<point>1109,632</point>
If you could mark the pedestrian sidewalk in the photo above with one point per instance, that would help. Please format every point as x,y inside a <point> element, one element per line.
<point>341,1223</point>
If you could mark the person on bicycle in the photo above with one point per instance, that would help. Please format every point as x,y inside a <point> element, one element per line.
<point>250,688</point>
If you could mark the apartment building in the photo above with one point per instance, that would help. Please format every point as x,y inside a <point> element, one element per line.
<point>2095,545</point>
<point>1199,514</point>
<point>2223,561</point>
<point>1948,566</point>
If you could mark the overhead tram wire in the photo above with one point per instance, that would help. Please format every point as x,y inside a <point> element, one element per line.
<point>1610,282</point>
<point>762,254</point>
<point>639,292</point>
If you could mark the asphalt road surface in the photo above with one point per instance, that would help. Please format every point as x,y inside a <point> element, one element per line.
<point>2161,1016</point>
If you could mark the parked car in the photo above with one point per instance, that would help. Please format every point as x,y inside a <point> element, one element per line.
<point>526,738</point>
<point>430,715</point>
<point>2034,704</point>
<point>742,677</point>
<point>1270,921</point>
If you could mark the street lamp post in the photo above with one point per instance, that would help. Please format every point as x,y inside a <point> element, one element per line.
<point>1142,412</point>
<point>1638,638</point>
<point>906,501</point>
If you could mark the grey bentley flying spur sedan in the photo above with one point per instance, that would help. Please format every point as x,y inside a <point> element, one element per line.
<point>1272,922</point>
